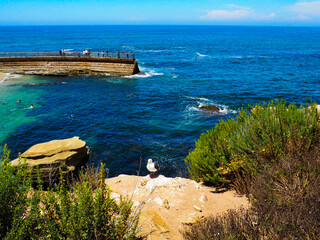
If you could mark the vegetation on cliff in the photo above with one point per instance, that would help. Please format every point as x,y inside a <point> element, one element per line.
<point>273,156</point>
<point>264,134</point>
<point>83,210</point>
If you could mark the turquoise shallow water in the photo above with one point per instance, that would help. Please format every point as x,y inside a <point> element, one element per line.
<point>155,115</point>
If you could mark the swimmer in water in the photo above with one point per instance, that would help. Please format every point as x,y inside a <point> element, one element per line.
<point>19,101</point>
<point>31,106</point>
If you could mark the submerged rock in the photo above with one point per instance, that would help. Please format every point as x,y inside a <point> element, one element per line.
<point>43,84</point>
<point>210,108</point>
<point>68,154</point>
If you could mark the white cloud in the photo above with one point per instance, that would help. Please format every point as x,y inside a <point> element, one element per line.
<point>136,19</point>
<point>236,12</point>
<point>307,8</point>
<point>234,6</point>
<point>226,14</point>
<point>301,17</point>
<point>269,16</point>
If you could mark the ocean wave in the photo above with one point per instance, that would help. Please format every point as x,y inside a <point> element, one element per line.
<point>155,51</point>
<point>128,47</point>
<point>236,57</point>
<point>199,98</point>
<point>202,55</point>
<point>226,110</point>
<point>145,74</point>
<point>175,75</point>
<point>243,57</point>
<point>68,50</point>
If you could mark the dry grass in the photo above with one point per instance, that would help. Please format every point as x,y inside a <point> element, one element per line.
<point>285,200</point>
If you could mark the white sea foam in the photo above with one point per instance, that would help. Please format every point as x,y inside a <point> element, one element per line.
<point>154,73</point>
<point>193,108</point>
<point>202,55</point>
<point>226,110</point>
<point>128,47</point>
<point>68,50</point>
<point>175,75</point>
<point>145,74</point>
<point>199,98</point>
<point>241,57</point>
<point>5,78</point>
<point>155,51</point>
<point>237,57</point>
<point>11,76</point>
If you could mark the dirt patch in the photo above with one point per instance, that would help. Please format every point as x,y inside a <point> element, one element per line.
<point>169,203</point>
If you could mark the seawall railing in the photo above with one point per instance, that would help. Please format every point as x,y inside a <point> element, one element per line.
<point>119,55</point>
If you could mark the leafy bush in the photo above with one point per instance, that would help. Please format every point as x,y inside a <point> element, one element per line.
<point>83,210</point>
<point>285,202</point>
<point>12,193</point>
<point>263,135</point>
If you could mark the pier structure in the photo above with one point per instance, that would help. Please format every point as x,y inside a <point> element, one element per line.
<point>68,63</point>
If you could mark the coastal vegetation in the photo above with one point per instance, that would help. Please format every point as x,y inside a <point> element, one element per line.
<point>271,153</point>
<point>81,209</point>
<point>261,135</point>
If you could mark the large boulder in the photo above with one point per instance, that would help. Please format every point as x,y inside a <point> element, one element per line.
<point>68,154</point>
<point>210,108</point>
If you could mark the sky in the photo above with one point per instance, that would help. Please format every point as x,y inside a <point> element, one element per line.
<point>150,12</point>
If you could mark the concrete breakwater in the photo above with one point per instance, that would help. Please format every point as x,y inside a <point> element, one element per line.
<point>56,65</point>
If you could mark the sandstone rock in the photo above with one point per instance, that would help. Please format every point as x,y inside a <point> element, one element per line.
<point>197,208</point>
<point>203,199</point>
<point>210,108</point>
<point>317,107</point>
<point>68,154</point>
<point>157,227</point>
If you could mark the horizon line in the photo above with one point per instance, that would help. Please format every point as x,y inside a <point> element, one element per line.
<point>205,25</point>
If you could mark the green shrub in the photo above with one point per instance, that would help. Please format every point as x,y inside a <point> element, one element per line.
<point>81,210</point>
<point>256,137</point>
<point>13,189</point>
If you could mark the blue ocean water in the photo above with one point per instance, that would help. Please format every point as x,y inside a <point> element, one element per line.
<point>126,120</point>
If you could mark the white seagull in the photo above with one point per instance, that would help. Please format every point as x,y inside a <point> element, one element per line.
<point>152,166</point>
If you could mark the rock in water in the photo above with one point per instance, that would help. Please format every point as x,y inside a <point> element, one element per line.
<point>210,108</point>
<point>68,154</point>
